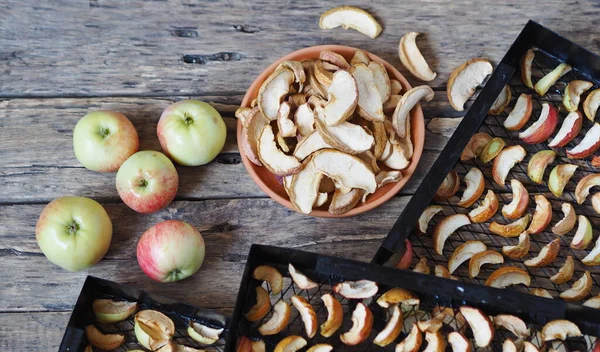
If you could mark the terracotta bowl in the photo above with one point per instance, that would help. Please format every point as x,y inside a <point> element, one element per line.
<point>267,181</point>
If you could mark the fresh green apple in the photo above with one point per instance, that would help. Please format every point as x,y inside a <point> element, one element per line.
<point>74,232</point>
<point>191,132</point>
<point>103,140</point>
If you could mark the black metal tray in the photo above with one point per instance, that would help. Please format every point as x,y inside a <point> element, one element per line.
<point>552,49</point>
<point>181,314</point>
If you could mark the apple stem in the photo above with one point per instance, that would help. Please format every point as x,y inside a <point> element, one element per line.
<point>73,227</point>
<point>143,183</point>
<point>187,119</point>
<point>104,132</point>
<point>175,274</point>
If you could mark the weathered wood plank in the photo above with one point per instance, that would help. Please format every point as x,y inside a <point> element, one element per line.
<point>32,331</point>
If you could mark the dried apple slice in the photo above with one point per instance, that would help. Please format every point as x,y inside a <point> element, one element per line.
<point>321,74</point>
<point>542,215</point>
<point>519,203</point>
<point>408,101</point>
<point>359,57</point>
<point>509,346</point>
<point>346,137</point>
<point>304,119</point>
<point>447,227</point>
<point>529,347</point>
<point>513,324</point>
<point>572,93</point>
<point>426,216</point>
<point>475,146</point>
<point>538,163</point>
<point>398,296</point>
<point>272,92</point>
<point>278,321</point>
<point>109,311</point>
<point>398,159</point>
<point>370,106</point>
<point>486,210</point>
<point>546,255</point>
<point>320,347</point>
<point>588,145</point>
<point>412,59</point>
<point>244,113</point>
<point>271,276</point>
<point>286,126</point>
<point>392,328</point>
<point>475,187</point>
<point>540,292</point>
<point>513,229</point>
<point>481,325</point>
<point>103,341</point>
<point>291,343</point>
<point>301,280</point>
<point>593,257</point>
<point>334,164</point>
<point>526,61</point>
<point>262,306</point>
<point>382,80</point>
<point>559,329</point>
<point>422,266</point>
<point>362,323</point>
<point>412,342</point>
<point>274,159</point>
<point>481,258</point>
<point>565,273</point>
<point>520,114</point>
<point>298,69</point>
<point>508,275</point>
<point>568,221</point>
<point>501,101</point>
<point>342,96</point>
<point>459,342</point>
<point>385,177</point>
<point>584,233</point>
<point>334,58</point>
<point>152,329</point>
<point>492,149</point>
<point>542,86</point>
<point>435,342</point>
<point>350,17</point>
<point>521,249</point>
<point>593,302</point>
<point>580,289</point>
<point>449,187</point>
<point>335,315</point>
<point>568,130</point>
<point>255,124</point>
<point>356,289</point>
<point>591,104</point>
<point>465,252</point>
<point>559,177</point>
<point>390,105</point>
<point>441,271</point>
<point>308,315</point>
<point>584,185</point>
<point>310,144</point>
<point>304,187</point>
<point>432,325</point>
<point>465,79</point>
<point>343,202</point>
<point>543,128</point>
<point>205,335</point>
<point>505,161</point>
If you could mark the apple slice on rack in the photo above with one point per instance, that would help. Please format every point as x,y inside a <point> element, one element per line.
<point>203,334</point>
<point>449,187</point>
<point>580,289</point>
<point>486,209</point>
<point>320,347</point>
<point>432,325</point>
<point>278,321</point>
<point>513,229</point>
<point>542,86</point>
<point>593,257</point>
<point>519,202</point>
<point>525,65</point>
<point>513,324</point>
<point>559,177</point>
<point>422,266</point>
<point>307,314</point>
<point>465,252</point>
<point>262,306</point>
<point>505,161</point>
<point>596,203</point>
<point>412,59</point>
<point>568,130</point>
<point>546,256</point>
<point>398,296</point>
<point>521,249</point>
<point>567,223</point>
<point>559,329</point>
<point>392,328</point>
<point>459,342</point>
<point>538,163</point>
<point>540,292</point>
<point>291,343</point>
<point>509,346</point>
<point>412,342</point>
<point>103,341</point>
<point>584,185</point>
<point>501,101</point>
<point>435,342</point>
<point>542,215</point>
<point>475,187</point>
<point>109,311</point>
<point>271,276</point>
<point>152,329</point>
<point>426,217</point>
<point>591,104</point>
<point>588,145</point>
<point>583,235</point>
<point>447,227</point>
<point>301,280</point>
<point>465,79</point>
<point>508,275</point>
<point>360,289</point>
<point>520,114</point>
<point>362,323</point>
<point>335,315</point>
<point>481,325</point>
<point>475,146</point>
<point>350,17</point>
<point>543,128</point>
<point>481,258</point>
<point>401,115</point>
<point>492,149</point>
<point>565,273</point>
<point>572,93</point>
<point>593,302</point>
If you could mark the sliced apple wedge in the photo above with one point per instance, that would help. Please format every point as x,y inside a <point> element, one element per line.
<point>546,256</point>
<point>543,128</point>
<point>459,342</point>
<point>435,342</point>
<point>559,329</point>
<point>538,163</point>
<point>103,341</point>
<point>153,329</point>
<point>540,292</point>
<point>583,235</point>
<point>509,346</point>
<point>301,280</point>
<point>593,257</point>
<point>422,266</point>
<point>521,249</point>
<point>335,315</point>
<point>291,343</point>
<point>529,347</point>
<point>596,202</point>
<point>334,58</point>
<point>519,202</point>
<point>360,289</point>
<point>591,104</point>
<point>593,302</point>
<point>304,119</point>
<point>447,227</point>
<point>542,86</point>
<point>360,57</point>
<point>109,311</point>
<point>465,252</point>
<point>303,189</point>
<point>475,187</point>
<point>271,276</point>
<point>362,323</point>
<point>568,130</point>
<point>398,296</point>
<point>588,145</point>
<point>486,209</point>
<point>465,79</point>
<point>520,114</point>
<point>565,273</point>
<point>346,137</point>
<point>505,161</point>
<point>370,106</point>
<point>401,115</point>
<point>426,217</point>
<point>566,224</point>
<point>320,347</point>
<point>501,101</point>
<point>481,325</point>
<point>526,61</point>
<point>580,289</point>
<point>441,271</point>
<point>559,177</point>
<point>412,342</point>
<point>513,324</point>
<point>508,275</point>
<point>449,187</point>
<point>542,215</point>
<point>203,334</point>
<point>277,162</point>
<point>492,149</point>
<point>475,146</point>
<point>392,328</point>
<point>350,17</point>
<point>342,202</point>
<point>584,185</point>
<point>333,163</point>
<point>278,321</point>
<point>572,93</point>
<point>307,314</point>
<point>432,325</point>
<point>513,229</point>
<point>262,306</point>
<point>342,96</point>
<point>412,59</point>
<point>382,80</point>
<point>481,258</point>
<point>273,90</point>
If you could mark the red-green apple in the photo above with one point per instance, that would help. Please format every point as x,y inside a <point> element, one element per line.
<point>191,132</point>
<point>103,140</point>
<point>74,232</point>
<point>170,251</point>
<point>147,181</point>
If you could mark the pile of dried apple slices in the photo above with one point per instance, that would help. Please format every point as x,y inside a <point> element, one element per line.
<point>331,130</point>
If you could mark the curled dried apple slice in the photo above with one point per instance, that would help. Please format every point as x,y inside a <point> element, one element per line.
<point>540,292</point>
<point>572,93</point>
<point>584,185</point>
<point>545,256</point>
<point>509,346</point>
<point>481,258</point>
<point>109,311</point>
<point>441,271</point>
<point>568,130</point>
<point>412,342</point>
<point>449,186</point>
<point>321,199</point>
<point>334,315</point>
<point>542,215</point>
<point>412,59</point>
<point>447,227</point>
<point>153,329</point>
<point>385,177</point>
<point>298,69</point>
<point>508,275</point>
<point>459,342</point>
<point>278,321</point>
<point>397,296</point>
<point>588,145</point>
<point>513,229</point>
<point>342,96</point>
<point>342,202</point>
<point>320,347</point>
<point>286,126</point>
<point>401,115</point>
<point>356,289</point>
<point>501,101</point>
<point>251,131</point>
<point>291,343</point>
<point>543,128</point>
<point>271,276</point>
<point>568,221</point>
<point>422,266</point>
<point>580,289</point>
<point>262,306</point>
<point>346,137</point>
<point>513,324</point>
<point>593,302</point>
<point>426,217</point>
<point>596,203</point>
<point>390,105</point>
<point>350,17</point>
<point>382,80</point>
<point>526,61</point>
<point>565,273</point>
<point>475,146</point>
<point>297,99</point>
<point>492,149</point>
<point>334,58</point>
<point>304,187</point>
<point>486,210</point>
<point>203,334</point>
<point>272,92</point>
<point>310,144</point>
<point>103,341</point>
<point>398,159</point>
<point>435,342</point>
<point>529,347</point>
<point>520,114</point>
<point>304,119</point>
<point>593,257</point>
<point>360,57</point>
<point>244,113</point>
<point>362,323</point>
<point>521,249</point>
<point>333,164</point>
<point>505,161</point>
<point>538,163</point>
<point>481,325</point>
<point>322,75</point>
<point>559,177</point>
<point>392,328</point>
<point>308,315</point>
<point>301,280</point>
<point>475,187</point>
<point>559,329</point>
<point>583,235</point>
<point>465,79</point>
<point>542,86</point>
<point>274,159</point>
<point>591,104</point>
<point>370,106</point>
<point>432,325</point>
<point>465,252</point>
<point>519,202</point>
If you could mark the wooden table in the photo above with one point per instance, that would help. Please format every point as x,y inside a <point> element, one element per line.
<point>62,59</point>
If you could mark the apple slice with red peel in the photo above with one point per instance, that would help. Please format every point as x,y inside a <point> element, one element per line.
<point>572,93</point>
<point>392,329</point>
<point>481,258</point>
<point>568,221</point>
<point>526,61</point>
<point>109,311</point>
<point>591,104</point>
<point>449,187</point>
<point>291,343</point>
<point>422,266</point>
<point>565,273</point>
<point>584,185</point>
<point>505,161</point>
<point>546,256</point>
<point>542,216</point>
<point>412,59</point>
<point>542,86</point>
<point>335,315</point>
<point>447,227</point>
<point>559,329</point>
<point>465,79</point>
<point>593,302</point>
<point>519,203</point>
<point>593,257</point>
<point>475,187</point>
<point>513,229</point>
<point>203,334</point>
<point>350,17</point>
<point>435,342</point>
<point>520,114</point>
<point>513,324</point>
<point>588,145</point>
<point>271,276</point>
<point>508,275</point>
<point>538,163</point>
<point>103,341</point>
<point>278,321</point>
<point>540,292</point>
<point>481,325</point>
<point>521,249</point>
<point>492,149</point>
<point>320,347</point>
<point>307,314</point>
<point>543,128</point>
<point>412,342</point>
<point>459,342</point>
<point>426,217</point>
<point>465,252</point>
<point>400,117</point>
<point>362,323</point>
<point>301,280</point>
<point>559,177</point>
<point>509,346</point>
<point>580,289</point>
<point>501,101</point>
<point>475,146</point>
<point>398,296</point>
<point>486,210</point>
<point>262,306</point>
<point>568,130</point>
<point>360,289</point>
<point>583,235</point>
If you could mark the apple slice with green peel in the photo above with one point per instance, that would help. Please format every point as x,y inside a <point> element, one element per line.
<point>546,256</point>
<point>400,117</point>
<point>583,235</point>
<point>308,315</point>
<point>262,306</point>
<point>426,217</point>
<point>559,330</point>
<point>513,229</point>
<point>301,280</point>
<point>465,79</point>
<point>481,325</point>
<point>465,252</point>
<point>542,216</point>
<point>588,145</point>
<point>565,273</point>
<point>362,323</point>
<point>542,86</point>
<point>486,210</point>
<point>519,202</point>
<point>584,185</point>
<point>572,93</point>
<point>459,342</point>
<point>475,146</point>
<point>291,343</point>
<point>153,329</point>
<point>570,129</point>
<point>360,289</point>
<point>481,258</point>
<point>335,313</point>
<point>543,128</point>
<point>513,324</point>
<point>538,163</point>
<point>103,341</point>
<point>342,96</point>
<point>540,292</point>
<point>392,328</point>
<point>591,104</point>
<point>505,161</point>
<point>525,65</point>
<point>520,114</point>
<point>507,276</point>
<point>509,346</point>
<point>492,149</point>
<point>204,335</point>
<point>350,17</point>
<point>370,106</point>
<point>568,221</point>
<point>580,289</point>
<point>449,187</point>
<point>475,186</point>
<point>501,101</point>
<point>521,249</point>
<point>412,59</point>
<point>278,321</point>
<point>447,227</point>
<point>559,177</point>
<point>109,311</point>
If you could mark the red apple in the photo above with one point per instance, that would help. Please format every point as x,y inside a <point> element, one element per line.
<point>543,128</point>
<point>570,129</point>
<point>170,251</point>
<point>588,145</point>
<point>147,181</point>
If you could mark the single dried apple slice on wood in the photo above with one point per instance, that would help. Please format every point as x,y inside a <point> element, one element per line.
<point>408,101</point>
<point>542,215</point>
<point>301,280</point>
<point>459,342</point>
<point>397,296</point>
<point>278,321</point>
<point>542,86</point>
<point>334,315</point>
<point>277,162</point>
<point>568,221</point>
<point>346,137</point>
<point>565,273</point>
<point>465,79</point>
<point>272,92</point>
<point>559,177</point>
<point>360,289</point>
<point>465,252</point>
<point>501,101</point>
<point>520,114</point>
<point>153,329</point>
<point>492,149</point>
<point>572,93</point>
<point>538,163</point>
<point>559,329</point>
<point>481,325</point>
<point>435,342</point>
<point>307,314</point>
<point>505,161</point>
<point>481,258</point>
<point>342,96</point>
<point>475,187</point>
<point>513,324</point>
<point>426,217</point>
<point>475,146</point>
<point>568,130</point>
<point>588,145</point>
<point>412,59</point>
<point>392,328</point>
<point>519,202</point>
<point>343,202</point>
<point>543,128</point>
<point>447,227</point>
<point>546,256</point>
<point>370,106</point>
<point>290,344</point>
<point>591,104</point>
<point>526,61</point>
<point>362,323</point>
<point>584,185</point>
<point>513,229</point>
<point>540,292</point>
<point>580,289</point>
<point>422,266</point>
<point>333,164</point>
<point>583,235</point>
<point>271,276</point>
<point>103,341</point>
<point>262,306</point>
<point>508,275</point>
<point>350,17</point>
<point>449,187</point>
<point>486,210</point>
<point>109,311</point>
<point>521,249</point>
<point>203,334</point>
